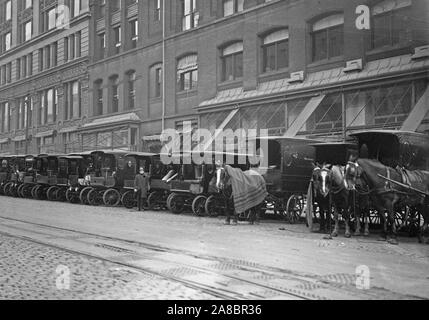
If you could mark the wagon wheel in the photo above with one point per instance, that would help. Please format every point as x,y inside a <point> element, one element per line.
<point>60,194</point>
<point>177,204</point>
<point>129,199</point>
<point>294,208</point>
<point>13,191</point>
<point>19,191</point>
<point>32,192</point>
<point>6,188</point>
<point>412,224</point>
<point>83,196</point>
<point>39,193</point>
<point>374,218</point>
<point>111,197</point>
<point>50,194</point>
<point>72,196</point>
<point>168,203</point>
<point>198,206</point>
<point>153,200</point>
<point>94,197</point>
<point>26,191</point>
<point>213,207</point>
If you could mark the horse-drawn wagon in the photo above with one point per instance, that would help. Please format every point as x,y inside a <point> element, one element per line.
<point>391,166</point>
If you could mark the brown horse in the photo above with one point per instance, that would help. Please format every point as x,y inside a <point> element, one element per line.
<point>366,173</point>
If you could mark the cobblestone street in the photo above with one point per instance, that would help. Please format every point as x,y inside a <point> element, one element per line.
<point>63,251</point>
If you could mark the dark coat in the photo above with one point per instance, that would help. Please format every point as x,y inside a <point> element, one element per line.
<point>141,183</point>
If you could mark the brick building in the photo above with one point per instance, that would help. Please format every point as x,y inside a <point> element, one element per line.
<point>295,67</point>
<point>43,75</point>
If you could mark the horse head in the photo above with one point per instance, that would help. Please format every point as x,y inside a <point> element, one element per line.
<point>322,179</point>
<point>352,173</point>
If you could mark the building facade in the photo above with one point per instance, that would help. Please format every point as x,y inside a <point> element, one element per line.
<point>44,87</point>
<point>294,67</point>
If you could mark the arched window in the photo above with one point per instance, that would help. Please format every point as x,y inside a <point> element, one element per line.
<point>98,97</point>
<point>155,77</point>
<point>232,62</point>
<point>390,20</point>
<point>275,50</point>
<point>114,93</point>
<point>328,37</point>
<point>187,72</point>
<point>131,88</point>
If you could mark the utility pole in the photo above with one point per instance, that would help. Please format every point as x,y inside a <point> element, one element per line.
<point>163,66</point>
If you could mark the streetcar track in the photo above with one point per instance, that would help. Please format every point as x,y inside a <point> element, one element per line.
<point>241,265</point>
<point>193,284</point>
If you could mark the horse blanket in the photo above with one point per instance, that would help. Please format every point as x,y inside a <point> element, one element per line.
<point>248,188</point>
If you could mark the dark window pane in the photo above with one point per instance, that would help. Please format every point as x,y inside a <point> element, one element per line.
<point>227,68</point>
<point>320,45</point>
<point>282,54</point>
<point>238,65</point>
<point>270,57</point>
<point>381,33</point>
<point>400,24</point>
<point>336,41</point>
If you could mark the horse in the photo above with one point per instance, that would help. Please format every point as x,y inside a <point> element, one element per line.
<point>385,195</point>
<point>321,194</point>
<point>224,185</point>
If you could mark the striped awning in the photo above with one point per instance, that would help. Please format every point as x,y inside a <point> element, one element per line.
<point>19,138</point>
<point>44,134</point>
<point>5,140</point>
<point>187,63</point>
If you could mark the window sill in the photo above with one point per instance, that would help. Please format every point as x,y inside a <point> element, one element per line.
<point>387,51</point>
<point>186,94</point>
<point>155,100</point>
<point>326,63</point>
<point>230,84</point>
<point>274,75</point>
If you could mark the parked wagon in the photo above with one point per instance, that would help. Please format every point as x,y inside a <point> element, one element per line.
<point>27,178</point>
<point>45,188</point>
<point>287,173</point>
<point>389,157</point>
<point>17,167</point>
<point>127,168</point>
<point>5,172</point>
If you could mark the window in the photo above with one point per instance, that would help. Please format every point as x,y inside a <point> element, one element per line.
<point>75,100</point>
<point>101,45</point>
<point>190,14</point>
<point>5,117</point>
<point>52,17</point>
<point>391,23</point>
<point>18,69</point>
<point>187,72</point>
<point>28,31</point>
<point>8,41</point>
<point>28,4</point>
<point>30,64</point>
<point>98,97</point>
<point>24,66</point>
<point>156,81</point>
<point>102,9</point>
<point>134,27</point>
<point>328,37</point>
<point>116,5</point>
<point>9,72</point>
<point>114,93</point>
<point>232,6</point>
<point>8,11</point>
<point>117,35</point>
<point>54,51</point>
<point>76,7</point>
<point>232,62</point>
<point>131,76</point>
<point>48,106</point>
<point>157,11</point>
<point>275,51</point>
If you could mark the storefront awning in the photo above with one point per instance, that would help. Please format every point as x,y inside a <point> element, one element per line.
<point>19,138</point>
<point>5,140</point>
<point>44,134</point>
<point>297,125</point>
<point>69,129</point>
<point>114,120</point>
<point>416,116</point>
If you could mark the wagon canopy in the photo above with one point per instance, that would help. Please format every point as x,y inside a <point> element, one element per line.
<point>395,148</point>
<point>335,153</point>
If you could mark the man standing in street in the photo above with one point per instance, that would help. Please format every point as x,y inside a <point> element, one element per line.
<point>141,187</point>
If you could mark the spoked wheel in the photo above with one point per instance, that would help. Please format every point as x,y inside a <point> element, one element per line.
<point>111,197</point>
<point>95,197</point>
<point>19,191</point>
<point>39,193</point>
<point>32,192</point>
<point>72,196</point>
<point>154,200</point>
<point>129,199</point>
<point>26,191</point>
<point>214,206</point>
<point>50,194</point>
<point>6,188</point>
<point>198,206</point>
<point>177,204</point>
<point>83,196</point>
<point>60,194</point>
<point>294,209</point>
<point>171,196</point>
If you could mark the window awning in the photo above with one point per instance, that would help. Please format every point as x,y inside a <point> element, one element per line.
<point>222,126</point>
<point>389,5</point>
<point>418,113</point>
<point>233,48</point>
<point>67,130</point>
<point>328,22</point>
<point>187,63</point>
<point>304,116</point>
<point>277,36</point>
<point>5,140</point>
